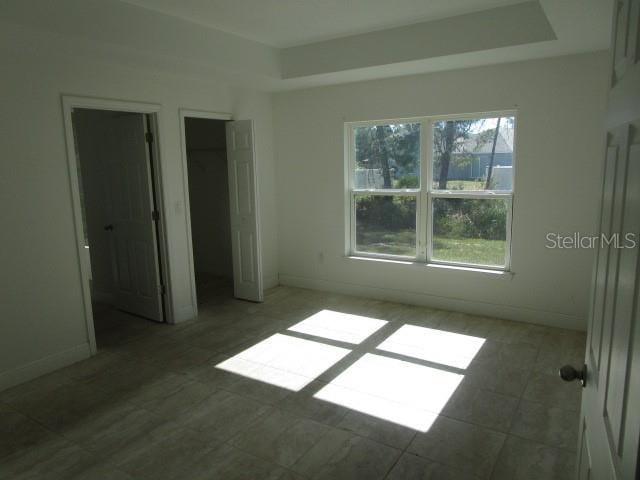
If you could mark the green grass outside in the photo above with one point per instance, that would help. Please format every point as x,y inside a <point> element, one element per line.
<point>399,242</point>
<point>462,185</point>
<point>403,242</point>
<point>469,250</point>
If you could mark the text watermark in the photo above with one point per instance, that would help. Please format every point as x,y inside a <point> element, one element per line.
<point>578,241</point>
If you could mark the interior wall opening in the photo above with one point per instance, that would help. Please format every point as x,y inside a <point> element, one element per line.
<point>116,163</point>
<point>207,169</point>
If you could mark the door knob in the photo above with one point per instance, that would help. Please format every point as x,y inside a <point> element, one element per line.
<point>108,228</point>
<point>569,374</point>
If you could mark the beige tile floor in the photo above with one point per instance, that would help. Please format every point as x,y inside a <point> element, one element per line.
<point>153,405</point>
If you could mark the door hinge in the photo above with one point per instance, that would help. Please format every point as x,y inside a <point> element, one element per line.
<point>155,215</point>
<point>162,289</point>
<point>149,137</point>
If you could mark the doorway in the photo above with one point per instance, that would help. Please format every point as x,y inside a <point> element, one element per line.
<point>206,155</point>
<point>115,160</point>
<point>205,139</point>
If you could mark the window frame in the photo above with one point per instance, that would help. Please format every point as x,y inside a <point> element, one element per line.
<point>425,193</point>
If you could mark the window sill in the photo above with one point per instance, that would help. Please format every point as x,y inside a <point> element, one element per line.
<point>435,266</point>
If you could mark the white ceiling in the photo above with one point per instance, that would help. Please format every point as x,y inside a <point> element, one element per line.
<point>286,23</point>
<point>294,49</point>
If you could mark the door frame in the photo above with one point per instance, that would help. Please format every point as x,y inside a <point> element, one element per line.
<point>183,114</point>
<point>70,102</point>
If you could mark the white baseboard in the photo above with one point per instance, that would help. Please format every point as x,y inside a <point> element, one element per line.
<point>270,282</point>
<point>24,373</point>
<point>184,313</point>
<point>508,312</point>
<point>187,312</point>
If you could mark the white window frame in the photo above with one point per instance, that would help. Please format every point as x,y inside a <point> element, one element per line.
<point>425,193</point>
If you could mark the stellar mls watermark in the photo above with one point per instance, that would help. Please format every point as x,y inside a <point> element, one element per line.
<point>577,240</point>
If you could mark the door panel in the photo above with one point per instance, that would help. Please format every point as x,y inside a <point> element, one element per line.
<point>611,423</point>
<point>608,412</point>
<point>595,340</point>
<point>247,246</point>
<point>245,202</point>
<point>247,265</point>
<point>621,39</point>
<point>584,456</point>
<point>620,137</point>
<point>121,256</point>
<point>611,316</point>
<point>610,417</point>
<point>135,251</point>
<point>623,416</point>
<point>617,381</point>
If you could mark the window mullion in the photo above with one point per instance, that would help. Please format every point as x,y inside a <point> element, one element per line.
<point>352,224</point>
<point>472,195</point>
<point>387,191</point>
<point>507,260</point>
<point>426,151</point>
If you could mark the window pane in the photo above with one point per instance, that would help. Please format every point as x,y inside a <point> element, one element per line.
<point>387,156</point>
<point>386,224</point>
<point>473,154</point>
<point>470,231</point>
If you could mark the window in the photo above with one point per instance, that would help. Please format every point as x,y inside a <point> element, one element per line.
<point>435,190</point>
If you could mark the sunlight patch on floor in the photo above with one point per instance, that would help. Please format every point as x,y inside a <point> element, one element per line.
<point>284,361</point>
<point>394,390</point>
<point>446,348</point>
<point>343,327</point>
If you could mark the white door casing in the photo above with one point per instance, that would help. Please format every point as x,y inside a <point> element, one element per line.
<point>243,202</point>
<point>608,445</point>
<point>134,245</point>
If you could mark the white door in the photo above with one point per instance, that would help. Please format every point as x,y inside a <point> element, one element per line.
<point>610,418</point>
<point>245,230</point>
<point>132,227</point>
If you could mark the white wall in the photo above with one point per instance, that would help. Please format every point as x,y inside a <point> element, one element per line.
<point>42,324</point>
<point>560,104</point>
<point>209,196</point>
